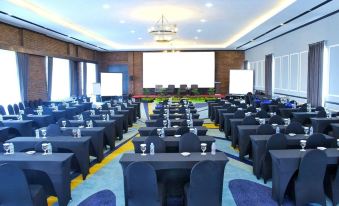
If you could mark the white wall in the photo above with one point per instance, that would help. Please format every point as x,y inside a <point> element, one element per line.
<point>291,58</point>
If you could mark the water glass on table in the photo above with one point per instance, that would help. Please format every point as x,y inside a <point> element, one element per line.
<point>143,149</point>
<point>303,145</point>
<point>203,148</point>
<point>44,133</point>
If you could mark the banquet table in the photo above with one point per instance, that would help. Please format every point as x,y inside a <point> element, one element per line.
<point>303,117</point>
<point>287,112</point>
<point>219,118</point>
<point>244,140</point>
<point>41,120</point>
<point>210,106</point>
<point>171,142</point>
<point>173,116</point>
<point>145,131</point>
<point>24,127</point>
<point>335,127</point>
<point>121,118</point>
<point>284,165</point>
<point>323,124</point>
<point>226,123</point>
<point>70,112</point>
<point>59,114</point>
<point>173,161</point>
<point>110,132</point>
<point>177,122</point>
<point>96,142</point>
<point>214,113</point>
<point>78,146</point>
<point>259,145</point>
<point>57,166</point>
<point>172,111</point>
<point>4,132</point>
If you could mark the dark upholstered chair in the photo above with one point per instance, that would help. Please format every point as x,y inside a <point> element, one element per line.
<point>159,144</point>
<point>276,119</point>
<point>103,197</point>
<point>265,129</point>
<point>295,127</point>
<point>189,142</point>
<point>204,187</point>
<point>311,175</point>
<point>15,190</point>
<point>10,109</point>
<point>249,120</point>
<point>262,114</point>
<point>142,187</point>
<point>53,130</point>
<point>316,140</point>
<point>332,185</point>
<point>171,89</point>
<point>182,130</point>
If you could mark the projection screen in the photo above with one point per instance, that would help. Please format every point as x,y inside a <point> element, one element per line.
<point>111,84</point>
<point>164,68</point>
<point>241,81</point>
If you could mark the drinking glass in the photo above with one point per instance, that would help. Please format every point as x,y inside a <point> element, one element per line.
<point>303,145</point>
<point>203,148</point>
<point>44,133</point>
<point>44,147</point>
<point>159,132</point>
<point>104,117</point>
<point>6,148</point>
<point>188,122</point>
<point>306,129</point>
<point>164,122</point>
<point>74,132</point>
<point>88,123</point>
<point>63,123</point>
<point>143,149</point>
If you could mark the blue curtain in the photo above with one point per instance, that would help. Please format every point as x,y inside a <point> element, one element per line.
<point>22,63</point>
<point>97,73</point>
<point>84,69</point>
<point>49,76</point>
<point>74,78</point>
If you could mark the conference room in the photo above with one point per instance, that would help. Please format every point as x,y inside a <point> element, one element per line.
<point>171,103</point>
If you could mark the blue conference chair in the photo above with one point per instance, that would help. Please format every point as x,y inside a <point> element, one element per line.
<point>21,106</point>
<point>316,140</point>
<point>189,142</point>
<point>231,109</point>
<point>332,185</point>
<point>276,119</point>
<point>275,142</point>
<point>295,127</point>
<point>251,109</point>
<point>321,113</point>
<point>53,130</point>
<point>205,185</point>
<point>2,110</point>
<point>311,175</point>
<point>159,144</point>
<point>15,190</point>
<point>142,187</point>
<point>262,114</point>
<point>265,129</point>
<point>16,108</point>
<point>239,114</point>
<point>103,197</point>
<point>10,110</point>
<point>182,130</point>
<point>249,120</point>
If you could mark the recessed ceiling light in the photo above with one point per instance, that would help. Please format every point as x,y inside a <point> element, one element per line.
<point>196,37</point>
<point>203,20</point>
<point>199,30</point>
<point>208,4</point>
<point>140,38</point>
<point>106,6</point>
<point>132,31</point>
<point>281,24</point>
<point>122,21</point>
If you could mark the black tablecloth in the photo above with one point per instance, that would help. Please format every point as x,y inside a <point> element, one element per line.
<point>177,122</point>
<point>244,137</point>
<point>226,123</point>
<point>259,144</point>
<point>287,112</point>
<point>97,139</point>
<point>174,161</point>
<point>285,163</point>
<point>335,127</point>
<point>323,124</point>
<point>24,127</point>
<point>215,113</point>
<point>172,143</point>
<point>56,166</point>
<point>4,132</point>
<point>79,146</point>
<point>122,121</point>
<point>41,120</point>
<point>59,114</point>
<point>145,131</point>
<point>303,117</point>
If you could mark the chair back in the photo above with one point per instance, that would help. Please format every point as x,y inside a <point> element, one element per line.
<point>295,127</point>
<point>141,183</point>
<point>159,144</point>
<point>276,119</point>
<point>21,106</point>
<point>47,111</point>
<point>16,108</point>
<point>182,131</point>
<point>158,88</point>
<point>239,114</point>
<point>53,130</point>
<point>159,122</point>
<point>103,197</point>
<point>154,132</point>
<point>29,110</point>
<point>251,109</point>
<point>316,140</point>
<point>10,110</point>
<point>249,120</point>
<point>2,110</point>
<point>231,110</point>
<point>205,186</point>
<point>321,113</point>
<point>183,86</point>
<point>265,129</point>
<point>189,142</point>
<point>276,142</point>
<point>312,168</point>
<point>319,108</point>
<point>14,189</point>
<point>262,114</point>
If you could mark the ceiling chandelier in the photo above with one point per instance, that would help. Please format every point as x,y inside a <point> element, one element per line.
<point>163,31</point>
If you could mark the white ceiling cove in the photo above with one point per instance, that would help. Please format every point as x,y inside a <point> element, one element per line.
<point>122,25</point>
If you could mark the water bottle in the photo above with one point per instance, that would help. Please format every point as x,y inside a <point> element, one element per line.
<point>107,117</point>
<point>11,148</point>
<point>195,131</point>
<point>213,148</point>
<point>277,130</point>
<point>311,130</point>
<point>79,133</point>
<point>37,134</point>
<point>151,150</point>
<point>162,132</point>
<point>168,123</point>
<point>49,148</point>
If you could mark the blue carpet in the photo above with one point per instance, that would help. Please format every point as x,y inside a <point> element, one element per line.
<point>246,193</point>
<point>200,105</point>
<point>102,198</point>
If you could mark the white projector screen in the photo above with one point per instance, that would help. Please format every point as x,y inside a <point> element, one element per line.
<point>164,68</point>
<point>241,81</point>
<point>111,84</point>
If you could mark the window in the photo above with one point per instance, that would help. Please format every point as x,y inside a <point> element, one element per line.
<point>91,78</point>
<point>60,79</point>
<point>9,79</point>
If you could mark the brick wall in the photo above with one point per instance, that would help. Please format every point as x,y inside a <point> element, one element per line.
<point>224,61</point>
<point>37,85</point>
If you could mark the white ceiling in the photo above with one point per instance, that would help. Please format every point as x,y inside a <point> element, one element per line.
<point>122,25</point>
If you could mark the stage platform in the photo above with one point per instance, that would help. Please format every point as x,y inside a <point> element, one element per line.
<point>195,98</point>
